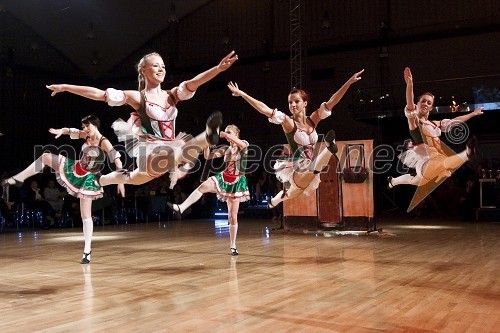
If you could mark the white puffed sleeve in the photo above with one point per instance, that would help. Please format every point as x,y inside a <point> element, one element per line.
<point>74,133</point>
<point>446,124</point>
<point>113,155</point>
<point>115,97</point>
<point>277,117</point>
<point>245,150</point>
<point>411,114</point>
<point>183,93</point>
<point>323,112</point>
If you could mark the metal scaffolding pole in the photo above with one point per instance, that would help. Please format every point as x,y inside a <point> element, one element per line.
<point>295,45</point>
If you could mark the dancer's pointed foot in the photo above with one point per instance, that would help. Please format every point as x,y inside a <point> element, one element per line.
<point>234,252</point>
<point>175,207</point>
<point>213,125</point>
<point>270,204</point>
<point>389,182</point>
<point>11,181</point>
<point>330,139</point>
<point>86,258</point>
<point>471,148</point>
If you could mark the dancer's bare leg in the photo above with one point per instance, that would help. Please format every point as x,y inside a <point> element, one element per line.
<point>208,186</point>
<point>405,180</point>
<point>290,193</point>
<point>135,177</point>
<point>46,159</point>
<point>303,178</point>
<point>88,228</point>
<point>454,161</point>
<point>233,206</point>
<point>209,137</point>
<point>192,149</point>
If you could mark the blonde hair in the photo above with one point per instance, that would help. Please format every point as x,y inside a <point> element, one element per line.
<point>140,65</point>
<point>235,129</point>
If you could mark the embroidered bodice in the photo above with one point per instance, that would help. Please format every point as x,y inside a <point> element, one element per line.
<point>299,138</point>
<point>162,119</point>
<point>235,160</point>
<point>92,157</point>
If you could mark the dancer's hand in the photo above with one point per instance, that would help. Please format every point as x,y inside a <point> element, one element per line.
<point>356,77</point>
<point>222,135</point>
<point>120,190</point>
<point>478,111</point>
<point>56,88</point>
<point>227,61</point>
<point>234,89</point>
<point>408,76</point>
<point>57,132</point>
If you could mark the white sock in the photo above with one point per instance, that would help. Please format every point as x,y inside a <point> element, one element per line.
<point>406,179</point>
<point>34,168</point>
<point>277,199</point>
<point>193,197</point>
<point>88,229</point>
<point>113,178</point>
<point>233,230</point>
<point>322,160</point>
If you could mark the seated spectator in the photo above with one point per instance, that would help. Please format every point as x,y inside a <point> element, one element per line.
<point>54,196</point>
<point>36,202</point>
<point>164,188</point>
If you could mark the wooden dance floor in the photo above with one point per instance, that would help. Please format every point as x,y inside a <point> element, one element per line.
<point>415,276</point>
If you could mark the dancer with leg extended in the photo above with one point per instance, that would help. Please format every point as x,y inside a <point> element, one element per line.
<point>149,133</point>
<point>78,176</point>
<point>230,185</point>
<point>432,160</point>
<point>303,168</point>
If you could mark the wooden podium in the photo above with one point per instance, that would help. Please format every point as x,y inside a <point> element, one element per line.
<point>357,198</point>
<point>335,204</point>
<point>322,207</point>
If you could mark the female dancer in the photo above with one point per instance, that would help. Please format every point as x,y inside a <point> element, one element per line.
<point>431,159</point>
<point>78,176</point>
<point>302,171</point>
<point>230,185</point>
<point>149,134</point>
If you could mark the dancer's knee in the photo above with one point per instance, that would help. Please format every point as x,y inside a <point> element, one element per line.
<point>302,180</point>
<point>293,192</point>
<point>207,186</point>
<point>232,218</point>
<point>47,158</point>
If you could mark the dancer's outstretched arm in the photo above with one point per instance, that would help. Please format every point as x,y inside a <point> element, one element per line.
<point>214,153</point>
<point>232,138</point>
<point>410,97</point>
<point>208,75</point>
<point>257,105</point>
<point>274,116</point>
<point>220,151</point>
<point>321,113</point>
<point>477,112</point>
<point>132,97</point>
<point>410,108</point>
<point>75,133</point>
<point>113,155</point>
<point>448,124</point>
<point>337,96</point>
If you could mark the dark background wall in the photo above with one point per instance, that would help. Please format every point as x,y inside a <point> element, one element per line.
<point>452,48</point>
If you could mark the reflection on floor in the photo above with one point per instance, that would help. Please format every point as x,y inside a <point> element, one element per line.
<point>179,276</point>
